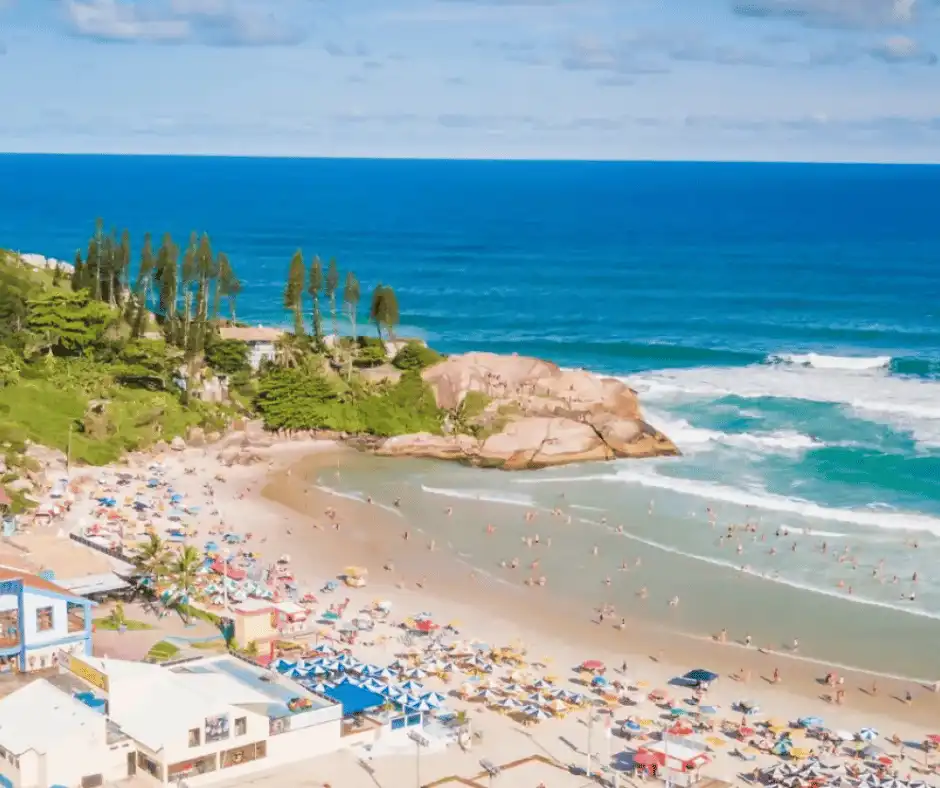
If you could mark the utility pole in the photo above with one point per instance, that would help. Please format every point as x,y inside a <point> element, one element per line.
<point>68,454</point>
<point>590,727</point>
<point>420,741</point>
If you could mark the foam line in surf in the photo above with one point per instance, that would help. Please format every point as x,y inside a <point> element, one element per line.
<point>359,497</point>
<point>691,439</point>
<point>820,361</point>
<point>509,498</point>
<point>725,564</point>
<point>883,518</point>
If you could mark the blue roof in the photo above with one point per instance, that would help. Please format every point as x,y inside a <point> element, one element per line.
<point>354,699</point>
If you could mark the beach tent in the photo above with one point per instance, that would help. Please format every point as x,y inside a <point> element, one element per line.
<point>353,699</point>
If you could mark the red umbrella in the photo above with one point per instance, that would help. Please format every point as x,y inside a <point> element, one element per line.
<point>592,664</point>
<point>934,737</point>
<point>680,730</point>
<point>645,758</point>
<point>745,731</point>
<point>885,760</point>
<point>424,625</point>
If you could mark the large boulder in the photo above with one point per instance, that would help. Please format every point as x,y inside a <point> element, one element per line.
<point>437,447</point>
<point>177,444</point>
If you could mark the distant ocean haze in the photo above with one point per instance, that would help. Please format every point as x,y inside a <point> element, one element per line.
<point>780,323</point>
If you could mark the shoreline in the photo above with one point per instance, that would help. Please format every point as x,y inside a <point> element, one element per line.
<point>377,539</point>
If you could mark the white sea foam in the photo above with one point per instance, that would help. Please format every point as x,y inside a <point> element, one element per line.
<point>512,499</point>
<point>883,517</point>
<point>819,361</point>
<point>691,439</point>
<point>908,404</point>
<point>356,496</point>
<point>776,578</point>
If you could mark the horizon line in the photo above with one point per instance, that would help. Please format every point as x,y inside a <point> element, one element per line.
<point>467,158</point>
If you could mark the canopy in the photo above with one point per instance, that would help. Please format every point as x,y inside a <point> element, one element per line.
<point>228,570</point>
<point>354,699</point>
<point>592,664</point>
<point>700,675</point>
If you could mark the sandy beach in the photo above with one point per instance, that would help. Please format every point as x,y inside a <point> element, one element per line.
<point>279,503</point>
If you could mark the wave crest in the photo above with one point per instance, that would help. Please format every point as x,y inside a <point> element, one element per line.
<point>820,361</point>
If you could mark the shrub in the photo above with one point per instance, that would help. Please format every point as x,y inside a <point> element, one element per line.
<point>416,356</point>
<point>228,356</point>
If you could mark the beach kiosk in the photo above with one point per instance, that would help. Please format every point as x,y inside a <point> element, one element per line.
<point>682,762</point>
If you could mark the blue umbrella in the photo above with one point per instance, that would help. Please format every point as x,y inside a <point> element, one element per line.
<point>699,675</point>
<point>633,725</point>
<point>598,681</point>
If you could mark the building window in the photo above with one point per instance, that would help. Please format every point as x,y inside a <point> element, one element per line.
<point>245,754</point>
<point>76,616</point>
<point>44,619</point>
<point>194,737</point>
<point>241,726</point>
<point>203,765</point>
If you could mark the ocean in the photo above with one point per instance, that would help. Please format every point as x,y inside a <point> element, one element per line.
<point>781,323</point>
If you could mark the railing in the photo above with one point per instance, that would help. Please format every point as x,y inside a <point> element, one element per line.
<point>114,552</point>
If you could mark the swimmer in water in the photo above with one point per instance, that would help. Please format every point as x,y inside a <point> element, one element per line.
<point>449,511</point>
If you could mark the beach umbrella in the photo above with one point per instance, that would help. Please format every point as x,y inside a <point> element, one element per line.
<point>632,725</point>
<point>541,684</point>
<point>383,673</point>
<point>392,692</point>
<point>511,689</point>
<point>318,686</point>
<point>592,665</point>
<point>868,734</point>
<point>680,729</point>
<point>434,697</point>
<point>810,722</point>
<point>488,696</point>
<point>537,698</point>
<point>324,648</point>
<point>677,712</point>
<point>812,770</point>
<point>509,703</point>
<point>699,675</point>
<point>556,706</point>
<point>536,713</point>
<point>707,710</point>
<point>412,686</point>
<point>372,685</point>
<point>415,673</point>
<point>893,782</point>
<point>420,705</point>
<point>598,681</point>
<point>871,751</point>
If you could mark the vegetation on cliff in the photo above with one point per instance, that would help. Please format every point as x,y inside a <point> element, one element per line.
<point>116,354</point>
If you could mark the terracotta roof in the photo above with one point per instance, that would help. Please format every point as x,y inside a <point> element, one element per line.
<point>256,334</point>
<point>34,581</point>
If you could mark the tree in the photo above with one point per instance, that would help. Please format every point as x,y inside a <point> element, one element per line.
<point>288,352</point>
<point>351,300</point>
<point>313,288</point>
<point>206,273</point>
<point>68,322</point>
<point>332,284</point>
<point>78,272</point>
<point>144,285</point>
<point>184,570</point>
<point>93,259</point>
<point>167,276</point>
<point>383,310</point>
<point>152,558</point>
<point>416,356</point>
<point>294,291</point>
<point>228,356</point>
<point>188,280</point>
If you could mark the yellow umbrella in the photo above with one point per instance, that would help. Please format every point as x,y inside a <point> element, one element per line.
<point>714,741</point>
<point>799,753</point>
<point>776,722</point>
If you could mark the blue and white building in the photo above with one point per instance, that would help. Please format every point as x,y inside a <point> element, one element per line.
<point>37,620</point>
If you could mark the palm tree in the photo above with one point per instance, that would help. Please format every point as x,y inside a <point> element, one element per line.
<point>288,353</point>
<point>184,570</point>
<point>152,558</point>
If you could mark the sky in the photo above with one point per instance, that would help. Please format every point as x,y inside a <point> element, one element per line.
<point>804,80</point>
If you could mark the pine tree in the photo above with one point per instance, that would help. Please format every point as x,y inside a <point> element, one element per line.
<point>383,310</point>
<point>332,285</point>
<point>227,284</point>
<point>188,279</point>
<point>313,288</point>
<point>93,259</point>
<point>78,272</point>
<point>143,285</point>
<point>351,297</point>
<point>121,268</point>
<point>167,277</point>
<point>205,273</point>
<point>294,291</point>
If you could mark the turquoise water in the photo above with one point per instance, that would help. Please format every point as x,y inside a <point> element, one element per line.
<point>780,322</point>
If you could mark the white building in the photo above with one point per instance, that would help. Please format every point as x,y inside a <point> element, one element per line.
<point>48,737</point>
<point>202,721</point>
<point>260,341</point>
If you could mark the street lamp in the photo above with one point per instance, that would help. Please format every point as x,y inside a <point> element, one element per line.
<point>420,741</point>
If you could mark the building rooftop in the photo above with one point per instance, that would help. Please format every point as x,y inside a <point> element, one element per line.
<point>276,690</point>
<point>34,582</point>
<point>39,715</point>
<point>251,334</point>
<point>94,584</point>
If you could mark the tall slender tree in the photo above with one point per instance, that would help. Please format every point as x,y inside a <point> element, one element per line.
<point>144,285</point>
<point>314,287</point>
<point>188,280</point>
<point>351,297</point>
<point>167,277</point>
<point>206,273</point>
<point>330,288</point>
<point>227,284</point>
<point>78,272</point>
<point>93,259</point>
<point>120,269</point>
<point>294,291</point>
<point>383,310</point>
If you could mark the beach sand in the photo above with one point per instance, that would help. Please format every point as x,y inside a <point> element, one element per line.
<point>280,505</point>
<point>371,536</point>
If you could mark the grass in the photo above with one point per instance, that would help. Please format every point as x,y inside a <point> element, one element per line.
<point>161,652</point>
<point>209,645</point>
<point>131,625</point>
<point>204,615</point>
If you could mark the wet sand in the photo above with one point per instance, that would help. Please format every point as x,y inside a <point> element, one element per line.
<point>371,536</point>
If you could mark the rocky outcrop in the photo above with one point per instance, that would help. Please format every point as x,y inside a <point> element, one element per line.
<point>530,413</point>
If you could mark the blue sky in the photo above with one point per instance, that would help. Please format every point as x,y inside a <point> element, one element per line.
<point>628,79</point>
